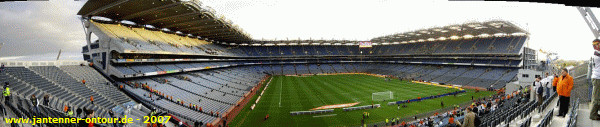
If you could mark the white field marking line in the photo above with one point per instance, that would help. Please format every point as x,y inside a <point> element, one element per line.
<point>280,90</point>
<point>265,88</point>
<point>325,115</point>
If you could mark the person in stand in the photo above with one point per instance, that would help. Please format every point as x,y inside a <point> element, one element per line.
<point>537,85</point>
<point>46,100</point>
<point>35,103</point>
<point>595,76</point>
<point>362,122</point>
<point>89,114</point>
<point>364,114</point>
<point>112,115</point>
<point>2,110</point>
<point>386,121</point>
<point>92,99</point>
<point>153,112</point>
<point>6,93</point>
<point>66,108</point>
<point>70,113</point>
<point>469,120</point>
<point>452,122</point>
<point>79,110</point>
<point>564,87</point>
<point>547,82</point>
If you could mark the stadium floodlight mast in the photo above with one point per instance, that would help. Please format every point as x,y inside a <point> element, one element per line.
<point>382,96</point>
<point>591,20</point>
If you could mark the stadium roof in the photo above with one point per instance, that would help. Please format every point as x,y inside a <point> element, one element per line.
<point>189,17</point>
<point>299,42</point>
<point>480,29</point>
<point>467,30</point>
<point>186,16</point>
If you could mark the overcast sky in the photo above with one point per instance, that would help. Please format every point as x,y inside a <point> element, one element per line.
<point>38,30</point>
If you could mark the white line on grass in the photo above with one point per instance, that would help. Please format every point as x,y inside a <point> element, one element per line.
<point>280,90</point>
<point>325,115</point>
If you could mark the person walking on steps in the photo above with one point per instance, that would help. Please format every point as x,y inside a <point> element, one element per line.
<point>46,100</point>
<point>6,93</point>
<point>92,99</point>
<point>35,102</point>
<point>547,83</point>
<point>539,90</point>
<point>79,111</point>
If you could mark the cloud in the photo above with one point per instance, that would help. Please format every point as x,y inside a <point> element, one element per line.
<point>31,28</point>
<point>42,27</point>
<point>553,27</point>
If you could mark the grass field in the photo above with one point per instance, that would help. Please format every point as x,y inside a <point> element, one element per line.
<point>291,93</point>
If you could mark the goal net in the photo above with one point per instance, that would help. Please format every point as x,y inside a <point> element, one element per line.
<point>382,96</point>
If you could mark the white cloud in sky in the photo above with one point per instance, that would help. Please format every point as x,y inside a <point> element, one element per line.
<point>42,27</point>
<point>34,28</point>
<point>553,27</point>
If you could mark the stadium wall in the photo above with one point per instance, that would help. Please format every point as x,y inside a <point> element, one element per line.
<point>234,110</point>
<point>42,63</point>
<point>525,77</point>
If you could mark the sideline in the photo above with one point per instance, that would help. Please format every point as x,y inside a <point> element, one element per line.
<point>328,115</point>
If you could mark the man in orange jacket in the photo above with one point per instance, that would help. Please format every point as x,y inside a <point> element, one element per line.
<point>564,87</point>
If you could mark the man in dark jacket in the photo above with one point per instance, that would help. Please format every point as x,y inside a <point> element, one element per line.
<point>89,114</point>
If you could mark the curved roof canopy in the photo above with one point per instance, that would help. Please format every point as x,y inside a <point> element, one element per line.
<point>186,16</point>
<point>189,17</point>
<point>489,28</point>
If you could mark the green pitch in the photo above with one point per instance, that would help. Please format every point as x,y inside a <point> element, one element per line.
<point>290,93</point>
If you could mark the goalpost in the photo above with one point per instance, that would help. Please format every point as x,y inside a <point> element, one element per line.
<point>381,96</point>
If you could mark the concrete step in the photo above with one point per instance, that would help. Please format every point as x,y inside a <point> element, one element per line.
<point>558,121</point>
<point>583,118</point>
<point>536,117</point>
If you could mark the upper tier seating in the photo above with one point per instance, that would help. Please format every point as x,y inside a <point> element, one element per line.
<point>157,41</point>
<point>498,45</point>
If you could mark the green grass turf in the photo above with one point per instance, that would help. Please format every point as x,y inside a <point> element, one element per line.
<point>305,93</point>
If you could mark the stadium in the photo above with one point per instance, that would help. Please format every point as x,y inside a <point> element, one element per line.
<point>179,59</point>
